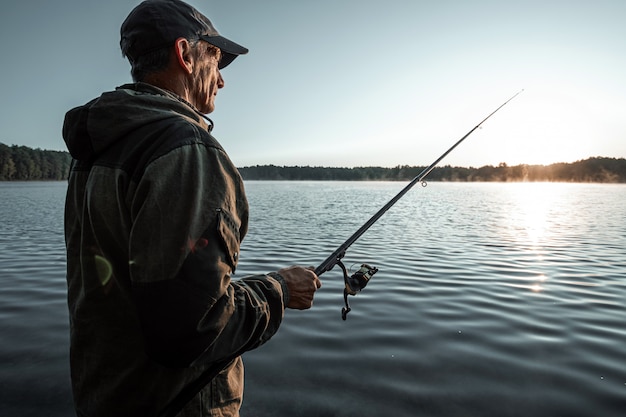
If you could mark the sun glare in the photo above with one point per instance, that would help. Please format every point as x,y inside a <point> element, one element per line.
<point>545,125</point>
<point>533,202</point>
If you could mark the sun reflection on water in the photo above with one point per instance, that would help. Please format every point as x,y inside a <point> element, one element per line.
<point>533,205</point>
<point>531,224</point>
<point>538,284</point>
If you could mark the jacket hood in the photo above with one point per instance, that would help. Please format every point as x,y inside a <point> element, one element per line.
<point>90,129</point>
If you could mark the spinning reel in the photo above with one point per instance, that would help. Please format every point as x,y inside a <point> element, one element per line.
<point>354,283</point>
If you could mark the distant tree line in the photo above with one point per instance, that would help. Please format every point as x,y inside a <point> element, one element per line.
<point>598,169</point>
<point>20,163</point>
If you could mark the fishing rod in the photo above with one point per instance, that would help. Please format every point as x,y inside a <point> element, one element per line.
<point>358,281</point>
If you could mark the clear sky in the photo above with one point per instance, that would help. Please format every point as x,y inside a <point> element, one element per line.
<point>353,82</point>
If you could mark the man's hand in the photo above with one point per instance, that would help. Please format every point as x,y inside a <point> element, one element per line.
<point>302,284</point>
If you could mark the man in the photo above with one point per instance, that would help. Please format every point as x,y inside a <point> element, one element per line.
<point>155,214</point>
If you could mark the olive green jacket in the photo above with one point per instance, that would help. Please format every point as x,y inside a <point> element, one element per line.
<point>155,215</point>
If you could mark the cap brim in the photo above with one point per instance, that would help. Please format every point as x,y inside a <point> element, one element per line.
<point>230,50</point>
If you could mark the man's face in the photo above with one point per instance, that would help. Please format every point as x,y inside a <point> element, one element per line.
<point>206,78</point>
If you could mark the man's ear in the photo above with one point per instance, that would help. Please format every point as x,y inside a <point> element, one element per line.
<point>184,55</point>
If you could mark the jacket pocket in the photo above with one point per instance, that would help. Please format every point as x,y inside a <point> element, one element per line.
<point>228,232</point>
<point>226,391</point>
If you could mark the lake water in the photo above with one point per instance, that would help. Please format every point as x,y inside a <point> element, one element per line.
<point>492,299</point>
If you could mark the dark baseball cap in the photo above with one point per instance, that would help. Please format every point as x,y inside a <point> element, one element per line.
<point>156,24</point>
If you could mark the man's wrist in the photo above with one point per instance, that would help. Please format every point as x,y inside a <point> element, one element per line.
<point>283,285</point>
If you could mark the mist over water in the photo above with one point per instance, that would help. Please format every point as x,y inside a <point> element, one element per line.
<point>491,299</point>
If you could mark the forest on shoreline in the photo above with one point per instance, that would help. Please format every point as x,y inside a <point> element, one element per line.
<point>597,169</point>
<point>21,163</point>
